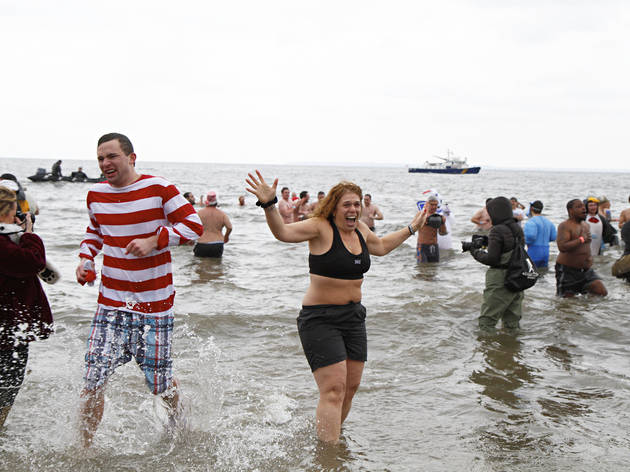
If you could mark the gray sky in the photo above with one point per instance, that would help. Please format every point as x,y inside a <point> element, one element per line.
<point>528,83</point>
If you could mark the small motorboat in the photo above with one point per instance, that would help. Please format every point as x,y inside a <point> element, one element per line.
<point>42,176</point>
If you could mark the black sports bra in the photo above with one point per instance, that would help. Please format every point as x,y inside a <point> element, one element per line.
<point>338,262</point>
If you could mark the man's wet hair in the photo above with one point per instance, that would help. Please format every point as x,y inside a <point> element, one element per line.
<point>283,189</point>
<point>571,203</point>
<point>125,143</point>
<point>367,195</point>
<point>303,193</point>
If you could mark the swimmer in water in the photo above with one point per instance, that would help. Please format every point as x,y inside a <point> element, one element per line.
<point>331,323</point>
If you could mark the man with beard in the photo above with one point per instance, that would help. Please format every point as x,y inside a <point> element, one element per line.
<point>573,265</point>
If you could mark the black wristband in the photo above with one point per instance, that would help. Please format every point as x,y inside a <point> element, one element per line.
<point>268,204</point>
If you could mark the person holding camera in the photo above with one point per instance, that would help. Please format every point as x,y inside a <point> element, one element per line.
<point>499,303</point>
<point>427,249</point>
<point>24,310</point>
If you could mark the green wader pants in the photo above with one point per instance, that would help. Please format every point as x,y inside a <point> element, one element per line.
<point>498,301</point>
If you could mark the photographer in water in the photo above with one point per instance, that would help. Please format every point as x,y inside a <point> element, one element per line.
<point>495,251</point>
<point>427,249</point>
<point>24,311</point>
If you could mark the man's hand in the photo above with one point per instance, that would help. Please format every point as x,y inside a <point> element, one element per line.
<point>81,272</point>
<point>141,247</point>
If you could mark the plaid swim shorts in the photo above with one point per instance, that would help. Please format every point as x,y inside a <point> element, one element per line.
<point>116,336</point>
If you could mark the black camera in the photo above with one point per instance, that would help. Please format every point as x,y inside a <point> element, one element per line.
<point>22,216</point>
<point>478,241</point>
<point>434,221</point>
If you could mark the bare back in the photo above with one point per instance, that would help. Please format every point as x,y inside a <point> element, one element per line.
<point>214,220</point>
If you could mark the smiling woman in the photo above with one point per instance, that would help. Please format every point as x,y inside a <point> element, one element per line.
<point>332,320</point>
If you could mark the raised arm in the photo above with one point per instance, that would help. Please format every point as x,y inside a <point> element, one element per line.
<point>288,233</point>
<point>381,246</point>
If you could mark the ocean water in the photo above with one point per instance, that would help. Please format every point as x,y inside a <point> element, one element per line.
<point>436,395</point>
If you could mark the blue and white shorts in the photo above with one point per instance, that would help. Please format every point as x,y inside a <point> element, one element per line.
<point>116,336</point>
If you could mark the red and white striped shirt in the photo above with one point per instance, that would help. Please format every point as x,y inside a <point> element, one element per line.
<point>149,206</point>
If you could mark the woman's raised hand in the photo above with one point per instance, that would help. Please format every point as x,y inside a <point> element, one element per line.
<point>260,188</point>
<point>419,220</point>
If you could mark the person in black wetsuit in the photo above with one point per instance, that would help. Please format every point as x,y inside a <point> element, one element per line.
<point>56,170</point>
<point>78,175</point>
<point>332,320</point>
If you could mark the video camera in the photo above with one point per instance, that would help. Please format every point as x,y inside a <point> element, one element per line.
<point>477,242</point>
<point>22,216</point>
<point>434,221</point>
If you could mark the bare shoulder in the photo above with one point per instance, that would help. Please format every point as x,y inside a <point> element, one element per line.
<point>365,231</point>
<point>317,222</point>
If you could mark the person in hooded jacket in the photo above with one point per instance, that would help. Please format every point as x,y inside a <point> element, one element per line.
<point>499,303</point>
<point>24,311</point>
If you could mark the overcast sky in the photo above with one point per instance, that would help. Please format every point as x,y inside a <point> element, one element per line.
<point>531,83</point>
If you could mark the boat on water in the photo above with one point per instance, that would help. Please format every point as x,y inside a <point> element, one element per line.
<point>450,164</point>
<point>43,176</point>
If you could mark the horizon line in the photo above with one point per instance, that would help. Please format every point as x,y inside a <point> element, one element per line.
<point>349,164</point>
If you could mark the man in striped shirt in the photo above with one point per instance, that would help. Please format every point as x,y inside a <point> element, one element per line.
<point>134,218</point>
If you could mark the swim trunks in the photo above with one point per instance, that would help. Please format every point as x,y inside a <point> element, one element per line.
<point>428,253</point>
<point>333,333</point>
<point>570,280</point>
<point>116,336</point>
<point>12,368</point>
<point>213,249</point>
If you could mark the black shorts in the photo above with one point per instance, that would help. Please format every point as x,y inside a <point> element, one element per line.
<point>428,253</point>
<point>333,333</point>
<point>208,249</point>
<point>570,280</point>
<point>12,368</point>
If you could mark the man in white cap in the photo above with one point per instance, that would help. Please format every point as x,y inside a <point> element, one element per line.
<point>210,244</point>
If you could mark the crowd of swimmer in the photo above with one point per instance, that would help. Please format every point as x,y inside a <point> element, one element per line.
<point>134,218</point>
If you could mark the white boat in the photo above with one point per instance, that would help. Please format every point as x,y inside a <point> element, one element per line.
<point>450,164</point>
